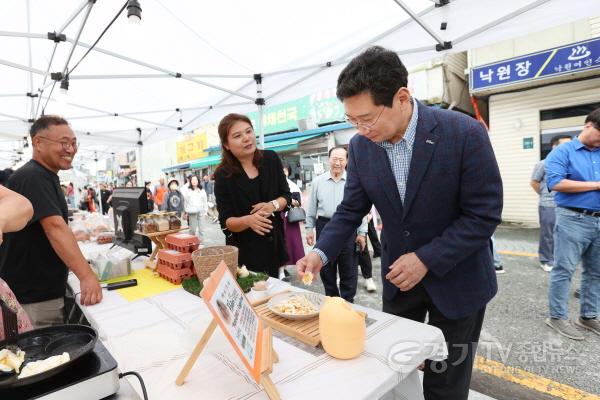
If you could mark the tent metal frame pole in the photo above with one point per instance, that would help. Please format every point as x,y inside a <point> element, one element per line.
<point>341,59</point>
<point>500,20</point>
<point>22,67</point>
<point>12,95</point>
<point>117,115</point>
<point>90,4</point>
<point>152,76</point>
<point>29,60</point>
<point>44,86</point>
<point>218,103</point>
<point>244,103</point>
<point>134,61</point>
<point>260,102</point>
<point>415,50</point>
<point>13,117</point>
<point>294,83</point>
<point>72,17</point>
<point>23,35</point>
<point>420,21</point>
<point>156,68</point>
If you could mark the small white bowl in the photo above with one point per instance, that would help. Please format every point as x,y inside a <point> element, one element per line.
<point>261,294</point>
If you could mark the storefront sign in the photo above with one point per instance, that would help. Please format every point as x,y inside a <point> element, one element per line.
<point>192,147</point>
<point>320,107</point>
<point>570,59</point>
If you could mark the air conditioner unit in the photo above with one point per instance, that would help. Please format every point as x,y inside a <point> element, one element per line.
<point>306,124</point>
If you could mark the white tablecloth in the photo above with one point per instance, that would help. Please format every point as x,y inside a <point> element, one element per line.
<point>156,335</point>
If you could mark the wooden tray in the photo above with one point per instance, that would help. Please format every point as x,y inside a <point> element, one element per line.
<point>306,331</point>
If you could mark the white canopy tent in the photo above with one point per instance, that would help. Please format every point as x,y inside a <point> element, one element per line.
<point>191,62</point>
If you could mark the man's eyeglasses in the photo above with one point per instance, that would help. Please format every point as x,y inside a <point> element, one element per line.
<point>364,125</point>
<point>64,143</point>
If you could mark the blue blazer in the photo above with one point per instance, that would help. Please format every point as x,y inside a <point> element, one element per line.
<point>452,206</point>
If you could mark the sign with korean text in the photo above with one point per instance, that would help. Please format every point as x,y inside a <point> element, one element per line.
<point>282,117</point>
<point>570,59</point>
<point>192,147</point>
<point>236,317</point>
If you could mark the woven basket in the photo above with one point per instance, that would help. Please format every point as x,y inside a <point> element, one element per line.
<point>207,259</point>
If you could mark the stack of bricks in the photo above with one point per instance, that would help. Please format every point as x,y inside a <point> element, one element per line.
<point>175,262</point>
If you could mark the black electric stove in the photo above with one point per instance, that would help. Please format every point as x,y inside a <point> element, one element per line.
<point>94,376</point>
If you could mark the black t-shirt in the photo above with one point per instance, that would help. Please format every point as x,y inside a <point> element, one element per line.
<point>28,263</point>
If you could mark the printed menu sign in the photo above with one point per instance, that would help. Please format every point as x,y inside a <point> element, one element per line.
<point>236,317</point>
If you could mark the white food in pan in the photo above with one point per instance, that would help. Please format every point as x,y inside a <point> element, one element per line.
<point>10,361</point>
<point>37,367</point>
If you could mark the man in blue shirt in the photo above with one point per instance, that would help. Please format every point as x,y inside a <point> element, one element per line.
<point>573,171</point>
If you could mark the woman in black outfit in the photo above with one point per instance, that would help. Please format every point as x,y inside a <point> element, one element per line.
<point>251,190</point>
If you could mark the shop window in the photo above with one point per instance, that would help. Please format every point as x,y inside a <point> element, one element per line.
<point>546,138</point>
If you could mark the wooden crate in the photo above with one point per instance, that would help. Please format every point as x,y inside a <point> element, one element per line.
<point>306,331</point>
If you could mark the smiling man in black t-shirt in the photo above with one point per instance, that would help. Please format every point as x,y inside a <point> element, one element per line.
<point>35,261</point>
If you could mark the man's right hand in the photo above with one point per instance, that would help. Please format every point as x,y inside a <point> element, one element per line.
<point>91,292</point>
<point>309,263</point>
<point>310,238</point>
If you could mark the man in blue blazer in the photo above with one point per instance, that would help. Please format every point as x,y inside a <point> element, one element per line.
<point>433,177</point>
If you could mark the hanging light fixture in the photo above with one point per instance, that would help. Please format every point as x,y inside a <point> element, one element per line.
<point>64,85</point>
<point>134,12</point>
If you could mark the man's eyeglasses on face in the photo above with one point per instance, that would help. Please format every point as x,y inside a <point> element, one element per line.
<point>64,143</point>
<point>364,125</point>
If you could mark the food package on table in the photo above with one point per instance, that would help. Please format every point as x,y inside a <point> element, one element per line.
<point>80,230</point>
<point>114,263</point>
<point>105,237</point>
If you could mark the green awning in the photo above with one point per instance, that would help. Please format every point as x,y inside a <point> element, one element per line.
<point>288,144</point>
<point>275,145</point>
<point>205,161</point>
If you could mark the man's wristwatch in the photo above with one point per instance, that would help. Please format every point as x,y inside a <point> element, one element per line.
<point>275,204</point>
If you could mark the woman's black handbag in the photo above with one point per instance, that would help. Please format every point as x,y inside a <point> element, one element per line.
<point>296,214</point>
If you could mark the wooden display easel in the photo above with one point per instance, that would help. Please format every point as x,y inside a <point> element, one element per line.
<point>269,356</point>
<point>158,238</point>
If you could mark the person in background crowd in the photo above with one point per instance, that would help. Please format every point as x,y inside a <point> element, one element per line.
<point>105,194</point>
<point>209,186</point>
<point>186,185</point>
<point>71,195</point>
<point>546,208</point>
<point>210,192</point>
<point>372,233</point>
<point>15,212</point>
<point>363,259</point>
<point>251,191</point>
<point>149,196</point>
<point>39,278</point>
<point>327,192</point>
<point>160,191</point>
<point>196,205</point>
<point>292,234</point>
<point>496,256</point>
<point>173,200</point>
<point>573,172</point>
<point>83,205</point>
<point>434,179</point>
<point>91,199</point>
<point>129,184</point>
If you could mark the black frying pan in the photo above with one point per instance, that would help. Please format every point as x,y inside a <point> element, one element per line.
<point>39,344</point>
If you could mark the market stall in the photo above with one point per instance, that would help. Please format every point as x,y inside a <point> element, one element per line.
<point>154,331</point>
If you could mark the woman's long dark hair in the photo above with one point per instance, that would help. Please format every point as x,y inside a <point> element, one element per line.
<point>229,163</point>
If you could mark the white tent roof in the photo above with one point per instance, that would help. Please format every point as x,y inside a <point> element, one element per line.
<point>217,47</point>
